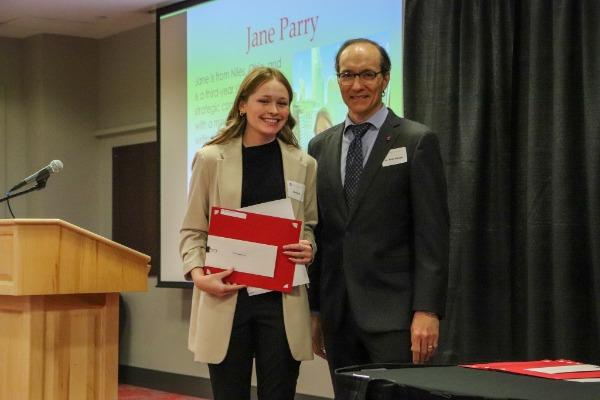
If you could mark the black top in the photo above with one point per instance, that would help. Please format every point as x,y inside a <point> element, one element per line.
<point>262,176</point>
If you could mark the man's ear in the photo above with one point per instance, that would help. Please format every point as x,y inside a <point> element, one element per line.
<point>386,80</point>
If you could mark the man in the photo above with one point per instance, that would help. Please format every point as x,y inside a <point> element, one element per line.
<point>378,284</point>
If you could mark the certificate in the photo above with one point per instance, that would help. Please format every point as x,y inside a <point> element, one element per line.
<point>251,244</point>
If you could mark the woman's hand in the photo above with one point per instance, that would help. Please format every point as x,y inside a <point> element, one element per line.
<point>299,253</point>
<point>213,283</point>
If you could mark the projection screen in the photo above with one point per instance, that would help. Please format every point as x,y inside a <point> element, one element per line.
<point>205,48</point>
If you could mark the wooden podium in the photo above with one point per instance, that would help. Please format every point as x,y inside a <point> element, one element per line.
<point>59,309</point>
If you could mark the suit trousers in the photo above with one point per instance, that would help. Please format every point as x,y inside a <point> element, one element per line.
<point>258,332</point>
<point>349,345</point>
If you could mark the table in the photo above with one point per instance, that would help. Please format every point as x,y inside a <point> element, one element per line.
<point>408,381</point>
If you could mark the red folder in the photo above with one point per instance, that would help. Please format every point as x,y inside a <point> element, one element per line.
<point>524,368</point>
<point>257,228</point>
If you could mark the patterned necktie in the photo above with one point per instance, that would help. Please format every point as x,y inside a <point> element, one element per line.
<point>354,162</point>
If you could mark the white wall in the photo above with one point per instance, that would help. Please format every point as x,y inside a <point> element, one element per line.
<point>127,78</point>
<point>125,99</point>
<point>3,154</point>
<point>49,85</point>
<point>13,161</point>
<point>75,99</point>
<point>61,84</point>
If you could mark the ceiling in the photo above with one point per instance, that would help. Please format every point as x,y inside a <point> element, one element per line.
<point>94,19</point>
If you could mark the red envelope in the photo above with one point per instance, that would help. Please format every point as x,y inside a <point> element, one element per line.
<point>257,228</point>
<point>531,368</point>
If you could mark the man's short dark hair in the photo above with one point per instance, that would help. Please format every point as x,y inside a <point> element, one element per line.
<point>386,64</point>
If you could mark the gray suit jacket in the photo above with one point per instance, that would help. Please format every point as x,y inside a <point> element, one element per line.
<point>387,256</point>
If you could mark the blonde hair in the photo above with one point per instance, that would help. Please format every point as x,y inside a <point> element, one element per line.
<point>235,124</point>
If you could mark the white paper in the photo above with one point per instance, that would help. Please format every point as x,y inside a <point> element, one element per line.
<point>395,156</point>
<point>242,256</point>
<point>278,208</point>
<point>282,209</point>
<point>253,291</point>
<point>230,213</point>
<point>584,380</point>
<point>300,275</point>
<point>566,368</point>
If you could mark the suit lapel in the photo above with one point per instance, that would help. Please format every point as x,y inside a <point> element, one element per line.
<point>229,174</point>
<point>294,169</point>
<point>385,138</point>
<point>334,171</point>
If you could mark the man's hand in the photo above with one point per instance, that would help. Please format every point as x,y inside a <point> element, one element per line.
<point>424,335</point>
<point>213,283</point>
<point>317,336</point>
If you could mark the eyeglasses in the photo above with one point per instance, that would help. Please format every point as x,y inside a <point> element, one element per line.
<point>347,78</point>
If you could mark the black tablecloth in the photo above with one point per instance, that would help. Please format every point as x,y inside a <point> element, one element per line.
<point>387,382</point>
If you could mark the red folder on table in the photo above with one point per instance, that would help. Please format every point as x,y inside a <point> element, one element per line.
<point>238,239</point>
<point>550,369</point>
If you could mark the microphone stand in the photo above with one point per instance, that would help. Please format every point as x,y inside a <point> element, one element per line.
<point>40,185</point>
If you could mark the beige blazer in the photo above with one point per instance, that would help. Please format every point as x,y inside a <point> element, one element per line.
<point>217,181</point>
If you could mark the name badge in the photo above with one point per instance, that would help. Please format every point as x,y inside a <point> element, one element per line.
<point>295,190</point>
<point>395,156</point>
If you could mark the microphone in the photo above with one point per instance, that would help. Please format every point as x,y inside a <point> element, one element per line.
<point>41,175</point>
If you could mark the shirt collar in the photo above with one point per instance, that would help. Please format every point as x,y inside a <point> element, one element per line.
<point>376,119</point>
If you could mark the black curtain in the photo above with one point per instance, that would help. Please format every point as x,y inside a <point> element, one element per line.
<point>513,90</point>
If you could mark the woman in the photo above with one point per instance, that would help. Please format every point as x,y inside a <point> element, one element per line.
<point>252,160</point>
